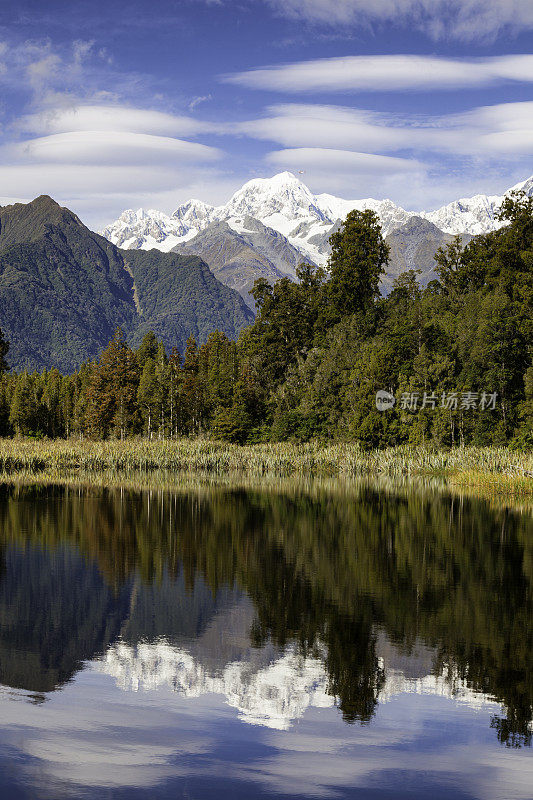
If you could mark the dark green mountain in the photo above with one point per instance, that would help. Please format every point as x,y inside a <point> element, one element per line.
<point>65,289</point>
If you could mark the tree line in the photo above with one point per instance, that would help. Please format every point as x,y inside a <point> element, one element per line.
<point>455,356</point>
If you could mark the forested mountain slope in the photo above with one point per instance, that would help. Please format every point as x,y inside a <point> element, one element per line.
<point>64,290</point>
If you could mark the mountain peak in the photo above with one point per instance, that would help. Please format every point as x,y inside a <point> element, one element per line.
<point>524,186</point>
<point>285,204</point>
<point>23,222</point>
<point>44,200</point>
<point>279,182</point>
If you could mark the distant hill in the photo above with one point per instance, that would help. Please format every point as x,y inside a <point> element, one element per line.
<point>65,289</point>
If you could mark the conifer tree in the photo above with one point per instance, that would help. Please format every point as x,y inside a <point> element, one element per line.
<point>23,405</point>
<point>358,258</point>
<point>112,392</point>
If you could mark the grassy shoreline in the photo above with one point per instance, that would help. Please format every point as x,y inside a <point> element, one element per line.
<point>494,468</point>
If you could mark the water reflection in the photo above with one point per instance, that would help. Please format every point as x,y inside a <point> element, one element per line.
<point>286,606</point>
<point>326,573</point>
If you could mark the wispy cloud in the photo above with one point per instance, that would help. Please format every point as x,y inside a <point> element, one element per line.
<point>348,172</point>
<point>94,150</point>
<point>464,20</point>
<point>327,159</point>
<point>196,101</point>
<point>489,130</point>
<point>386,73</point>
<point>45,75</point>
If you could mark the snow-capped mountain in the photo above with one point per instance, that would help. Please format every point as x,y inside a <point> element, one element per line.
<point>195,215</point>
<point>474,215</point>
<point>302,224</point>
<point>147,230</point>
<point>273,694</point>
<point>286,204</point>
<point>282,203</point>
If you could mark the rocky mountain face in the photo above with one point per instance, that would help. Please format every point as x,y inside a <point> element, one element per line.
<point>305,222</point>
<point>64,290</point>
<point>239,251</point>
<point>413,246</point>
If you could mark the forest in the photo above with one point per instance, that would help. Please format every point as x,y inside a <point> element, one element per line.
<point>456,356</point>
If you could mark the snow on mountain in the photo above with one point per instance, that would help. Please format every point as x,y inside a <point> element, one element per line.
<point>282,203</point>
<point>286,204</point>
<point>474,215</point>
<point>274,694</point>
<point>195,214</point>
<point>391,215</point>
<point>147,230</point>
<point>278,202</point>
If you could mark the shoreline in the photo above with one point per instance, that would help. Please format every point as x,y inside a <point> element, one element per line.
<point>495,470</point>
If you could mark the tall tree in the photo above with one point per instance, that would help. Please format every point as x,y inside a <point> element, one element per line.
<point>358,258</point>
<point>112,393</point>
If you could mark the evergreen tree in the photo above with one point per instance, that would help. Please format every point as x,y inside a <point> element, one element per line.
<point>358,258</point>
<point>112,393</point>
<point>23,405</point>
<point>148,394</point>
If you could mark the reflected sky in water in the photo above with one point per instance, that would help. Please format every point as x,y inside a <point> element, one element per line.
<point>232,643</point>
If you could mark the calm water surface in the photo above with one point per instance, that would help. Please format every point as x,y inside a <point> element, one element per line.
<point>229,643</point>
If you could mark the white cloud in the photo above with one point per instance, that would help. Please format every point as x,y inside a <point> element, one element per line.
<point>196,101</point>
<point>43,71</point>
<point>486,131</point>
<point>465,20</point>
<point>110,117</point>
<point>97,194</point>
<point>386,73</point>
<point>349,173</point>
<point>39,68</point>
<point>100,159</point>
<point>349,161</point>
<point>110,148</point>
<point>313,125</point>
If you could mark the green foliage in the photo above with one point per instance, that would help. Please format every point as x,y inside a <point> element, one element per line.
<point>318,352</point>
<point>357,261</point>
<point>64,290</point>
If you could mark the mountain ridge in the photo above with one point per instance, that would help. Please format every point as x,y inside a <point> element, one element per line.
<point>65,289</point>
<point>286,204</point>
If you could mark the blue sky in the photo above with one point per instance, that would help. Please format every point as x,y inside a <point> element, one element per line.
<point>112,105</point>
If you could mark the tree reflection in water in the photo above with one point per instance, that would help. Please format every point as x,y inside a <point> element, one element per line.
<point>327,570</point>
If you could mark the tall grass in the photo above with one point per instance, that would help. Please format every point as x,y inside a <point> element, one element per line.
<point>283,459</point>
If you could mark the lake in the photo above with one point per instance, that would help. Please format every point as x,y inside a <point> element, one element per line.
<point>279,641</point>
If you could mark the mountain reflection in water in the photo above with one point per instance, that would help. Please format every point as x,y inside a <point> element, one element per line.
<point>280,602</point>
